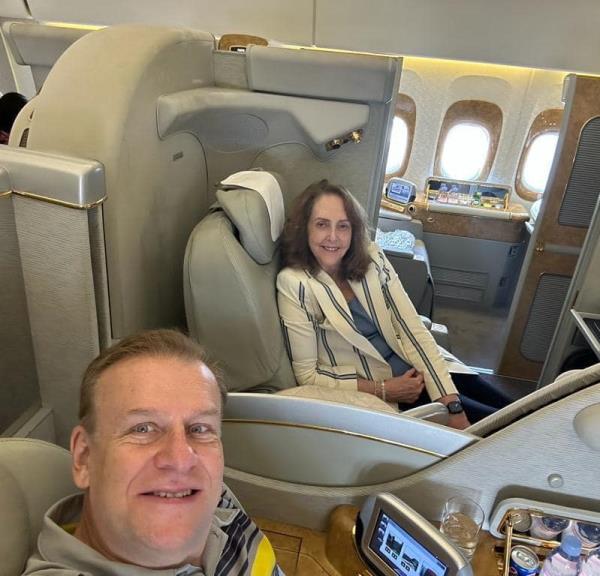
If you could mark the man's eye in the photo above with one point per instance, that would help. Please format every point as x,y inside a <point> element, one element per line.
<point>199,429</point>
<point>144,428</point>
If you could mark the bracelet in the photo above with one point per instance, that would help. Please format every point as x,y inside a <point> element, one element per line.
<point>378,391</point>
<point>382,383</point>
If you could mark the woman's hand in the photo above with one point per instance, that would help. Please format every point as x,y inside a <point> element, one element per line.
<point>458,421</point>
<point>406,388</point>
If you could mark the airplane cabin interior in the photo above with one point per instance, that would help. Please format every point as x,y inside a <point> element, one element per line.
<point>134,195</point>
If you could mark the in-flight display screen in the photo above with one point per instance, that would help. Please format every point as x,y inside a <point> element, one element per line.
<point>399,191</point>
<point>401,552</point>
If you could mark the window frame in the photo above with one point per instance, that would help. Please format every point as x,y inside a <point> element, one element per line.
<point>548,120</point>
<point>485,114</point>
<point>406,110</point>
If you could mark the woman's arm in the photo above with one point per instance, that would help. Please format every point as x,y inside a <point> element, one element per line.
<point>300,331</point>
<point>418,342</point>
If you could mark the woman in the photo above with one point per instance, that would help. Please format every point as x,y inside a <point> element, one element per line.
<point>348,322</point>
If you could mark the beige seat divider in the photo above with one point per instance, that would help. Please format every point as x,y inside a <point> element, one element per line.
<point>17,363</point>
<point>58,220</point>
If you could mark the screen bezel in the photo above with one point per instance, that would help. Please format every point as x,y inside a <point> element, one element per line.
<point>409,185</point>
<point>424,550</point>
<point>415,526</point>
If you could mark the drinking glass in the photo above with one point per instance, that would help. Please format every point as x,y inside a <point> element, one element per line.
<point>461,522</point>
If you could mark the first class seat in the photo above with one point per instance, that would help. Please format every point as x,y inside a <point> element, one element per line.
<point>294,460</point>
<point>229,277</point>
<point>409,257</point>
<point>33,475</point>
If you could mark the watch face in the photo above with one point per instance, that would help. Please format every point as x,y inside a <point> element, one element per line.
<point>455,407</point>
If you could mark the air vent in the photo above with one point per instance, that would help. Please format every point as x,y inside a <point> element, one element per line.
<point>583,187</point>
<point>544,313</point>
<point>456,277</point>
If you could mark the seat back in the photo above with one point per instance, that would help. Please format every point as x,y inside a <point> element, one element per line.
<point>33,475</point>
<point>230,269</point>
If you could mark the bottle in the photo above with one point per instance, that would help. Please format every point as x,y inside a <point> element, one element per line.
<point>591,565</point>
<point>564,560</point>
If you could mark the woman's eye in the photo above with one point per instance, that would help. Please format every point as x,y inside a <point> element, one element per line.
<point>345,226</point>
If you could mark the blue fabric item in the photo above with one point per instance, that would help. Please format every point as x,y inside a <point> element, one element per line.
<point>367,328</point>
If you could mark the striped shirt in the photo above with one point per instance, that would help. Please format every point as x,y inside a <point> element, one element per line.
<point>234,547</point>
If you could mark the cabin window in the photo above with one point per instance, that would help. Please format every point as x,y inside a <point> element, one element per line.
<point>401,139</point>
<point>538,153</point>
<point>465,151</point>
<point>468,140</point>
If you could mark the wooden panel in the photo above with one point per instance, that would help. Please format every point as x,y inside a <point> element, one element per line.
<point>546,121</point>
<point>480,113</point>
<point>513,363</point>
<point>465,225</point>
<point>583,105</point>
<point>233,41</point>
<point>334,553</point>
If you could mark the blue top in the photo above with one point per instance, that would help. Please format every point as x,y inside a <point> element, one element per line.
<point>367,328</point>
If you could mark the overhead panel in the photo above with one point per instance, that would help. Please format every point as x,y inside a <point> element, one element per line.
<point>284,21</point>
<point>524,33</point>
<point>14,9</point>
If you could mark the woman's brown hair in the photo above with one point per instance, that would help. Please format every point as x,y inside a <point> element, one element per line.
<point>295,251</point>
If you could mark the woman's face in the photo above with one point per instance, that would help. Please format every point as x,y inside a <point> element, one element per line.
<point>329,232</point>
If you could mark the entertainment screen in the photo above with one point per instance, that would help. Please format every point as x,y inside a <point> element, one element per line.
<point>399,550</point>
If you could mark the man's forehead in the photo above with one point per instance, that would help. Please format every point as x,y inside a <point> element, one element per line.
<point>157,376</point>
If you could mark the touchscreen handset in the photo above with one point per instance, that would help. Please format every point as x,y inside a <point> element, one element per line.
<point>395,540</point>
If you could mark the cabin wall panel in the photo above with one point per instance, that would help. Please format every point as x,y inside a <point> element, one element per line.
<point>291,22</point>
<point>435,85</point>
<point>18,380</point>
<point>55,252</point>
<point>538,33</point>
<point>14,9</point>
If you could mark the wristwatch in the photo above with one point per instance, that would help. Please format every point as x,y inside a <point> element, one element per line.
<point>455,407</point>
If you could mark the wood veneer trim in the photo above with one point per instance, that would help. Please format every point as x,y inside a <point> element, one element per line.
<point>406,109</point>
<point>486,114</point>
<point>546,121</point>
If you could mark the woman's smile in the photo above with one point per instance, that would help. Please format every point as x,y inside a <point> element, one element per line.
<point>329,232</point>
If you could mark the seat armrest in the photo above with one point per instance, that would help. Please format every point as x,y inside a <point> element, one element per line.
<point>432,412</point>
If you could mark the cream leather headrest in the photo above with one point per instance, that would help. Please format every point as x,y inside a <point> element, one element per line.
<point>254,203</point>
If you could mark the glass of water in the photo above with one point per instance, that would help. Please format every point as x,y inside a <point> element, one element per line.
<point>462,519</point>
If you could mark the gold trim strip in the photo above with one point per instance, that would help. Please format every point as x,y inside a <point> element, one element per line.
<point>59,202</point>
<point>335,431</point>
<point>7,193</point>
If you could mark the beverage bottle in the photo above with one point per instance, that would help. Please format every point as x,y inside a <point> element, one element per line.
<point>564,561</point>
<point>591,565</point>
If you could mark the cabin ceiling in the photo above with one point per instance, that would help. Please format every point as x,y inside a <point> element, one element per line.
<point>549,34</point>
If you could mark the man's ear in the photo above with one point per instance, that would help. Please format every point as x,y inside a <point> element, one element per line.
<point>80,451</point>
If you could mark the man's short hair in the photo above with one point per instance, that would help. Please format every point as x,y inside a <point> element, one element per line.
<point>164,343</point>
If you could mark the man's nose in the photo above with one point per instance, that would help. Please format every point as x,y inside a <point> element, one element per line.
<point>176,452</point>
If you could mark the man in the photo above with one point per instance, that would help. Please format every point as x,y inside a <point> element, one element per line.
<point>148,456</point>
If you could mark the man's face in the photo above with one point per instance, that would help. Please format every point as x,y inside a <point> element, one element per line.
<point>153,466</point>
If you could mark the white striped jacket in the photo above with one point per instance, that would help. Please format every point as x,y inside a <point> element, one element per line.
<point>324,345</point>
